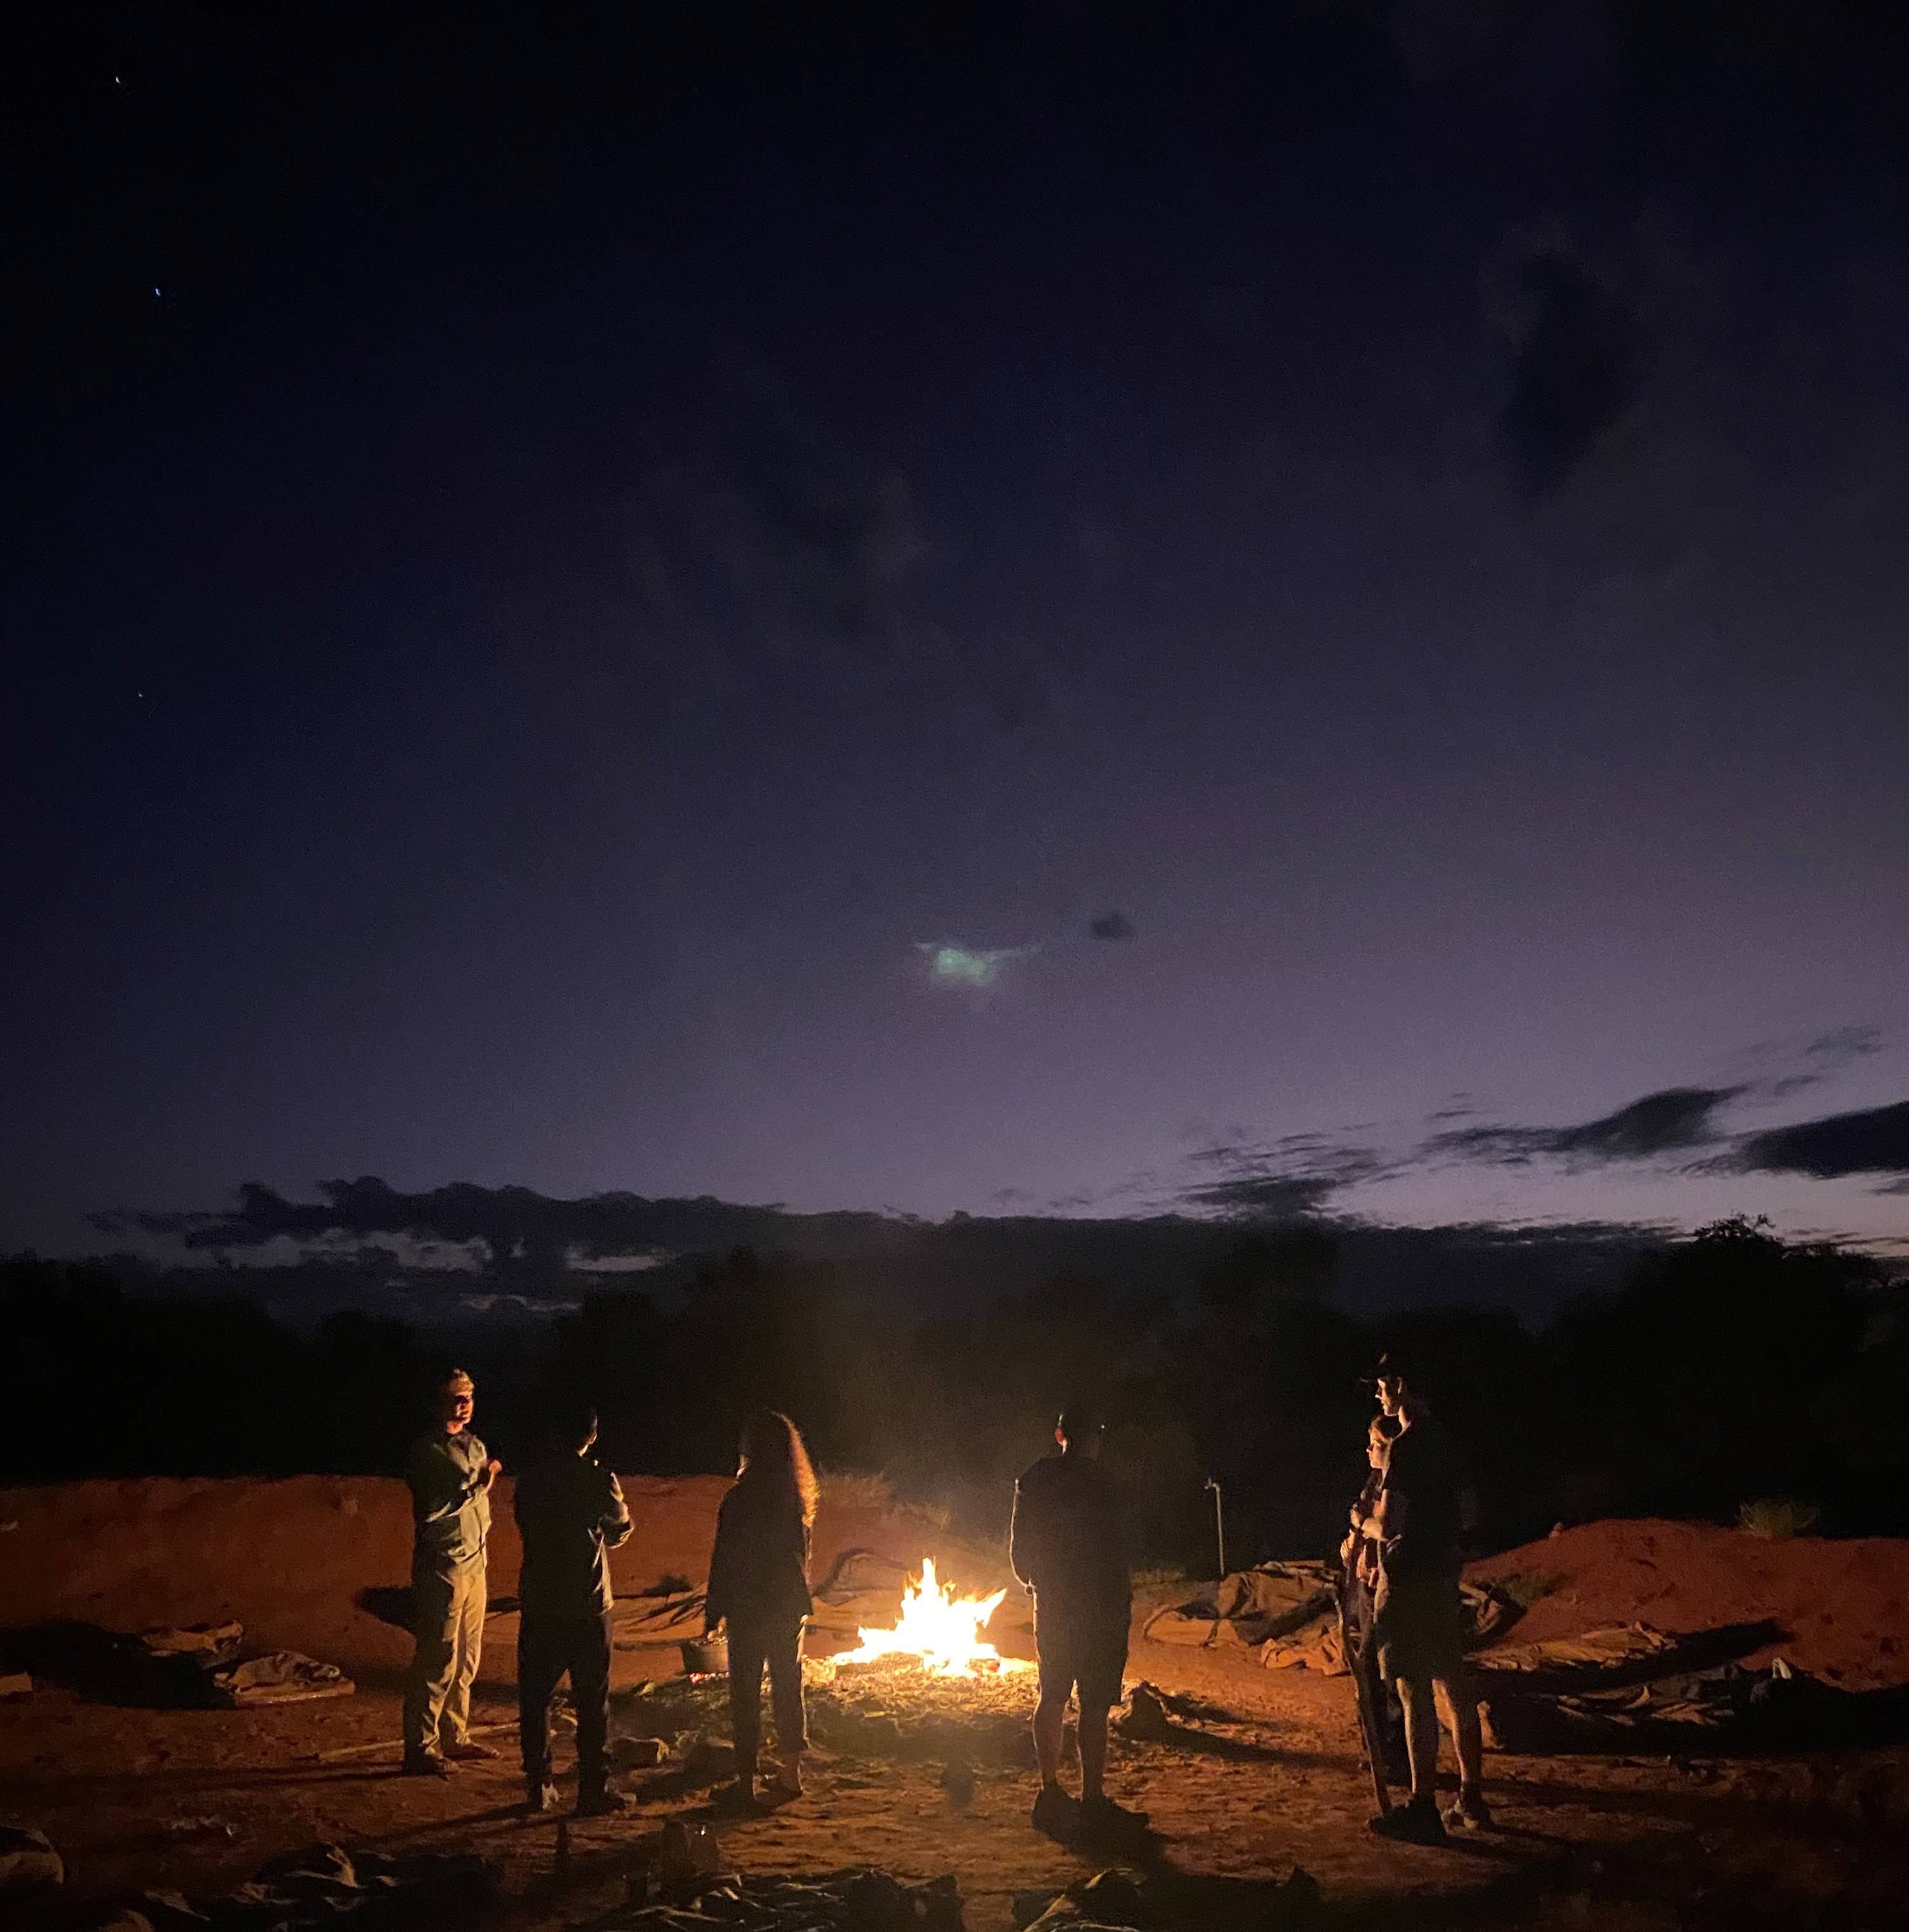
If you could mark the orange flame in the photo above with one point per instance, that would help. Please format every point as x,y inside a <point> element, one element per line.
<point>939,1629</point>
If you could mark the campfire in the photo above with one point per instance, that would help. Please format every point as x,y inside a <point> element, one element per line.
<point>937,1630</point>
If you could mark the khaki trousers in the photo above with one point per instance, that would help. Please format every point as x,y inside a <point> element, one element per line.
<point>448,1622</point>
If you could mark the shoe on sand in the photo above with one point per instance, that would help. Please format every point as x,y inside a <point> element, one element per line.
<point>1106,1822</point>
<point>426,1764</point>
<point>605,1803</point>
<point>1471,1813</point>
<point>1055,1812</point>
<point>467,1751</point>
<point>1416,1824</point>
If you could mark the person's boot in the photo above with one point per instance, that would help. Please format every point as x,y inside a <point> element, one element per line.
<point>788,1780</point>
<point>599,1799</point>
<point>1471,1813</point>
<point>741,1795</point>
<point>1103,1822</point>
<point>1056,1813</point>
<point>1416,1823</point>
<point>421,1763</point>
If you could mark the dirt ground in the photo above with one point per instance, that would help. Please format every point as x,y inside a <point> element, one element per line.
<point>195,1800</point>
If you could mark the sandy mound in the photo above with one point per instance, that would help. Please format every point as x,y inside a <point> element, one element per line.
<point>1843,1605</point>
<point>289,1559</point>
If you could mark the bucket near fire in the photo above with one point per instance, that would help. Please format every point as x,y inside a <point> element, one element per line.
<point>706,1657</point>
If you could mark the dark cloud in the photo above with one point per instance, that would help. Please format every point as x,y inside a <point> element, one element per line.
<point>514,1224</point>
<point>1295,1175</point>
<point>536,1243</point>
<point>1265,1196</point>
<point>1844,1044</point>
<point>1112,925</point>
<point>1827,1055</point>
<point>1572,371</point>
<point>1677,1119</point>
<point>1875,1140</point>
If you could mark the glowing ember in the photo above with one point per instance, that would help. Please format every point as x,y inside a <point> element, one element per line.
<point>939,1630</point>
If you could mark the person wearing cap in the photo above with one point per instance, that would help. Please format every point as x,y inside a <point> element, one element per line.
<point>1427,1507</point>
<point>450,1474</point>
<point>570,1514</point>
<point>1068,1546</point>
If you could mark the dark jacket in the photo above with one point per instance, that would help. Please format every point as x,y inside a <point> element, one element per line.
<point>570,1514</point>
<point>1428,1482</point>
<point>1068,1541</point>
<point>759,1568</point>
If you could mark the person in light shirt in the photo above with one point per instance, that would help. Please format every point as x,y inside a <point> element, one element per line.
<point>450,1474</point>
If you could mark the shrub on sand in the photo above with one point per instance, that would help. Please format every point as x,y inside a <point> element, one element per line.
<point>1526,1587</point>
<point>1777,1519</point>
<point>857,1489</point>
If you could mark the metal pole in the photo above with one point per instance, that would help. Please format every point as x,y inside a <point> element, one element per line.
<point>1219,1523</point>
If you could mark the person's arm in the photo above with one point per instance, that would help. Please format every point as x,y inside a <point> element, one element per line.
<point>716,1595</point>
<point>616,1514</point>
<point>1024,1539</point>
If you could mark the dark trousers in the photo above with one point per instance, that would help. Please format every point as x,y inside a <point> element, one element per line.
<point>779,1646</point>
<point>547,1649</point>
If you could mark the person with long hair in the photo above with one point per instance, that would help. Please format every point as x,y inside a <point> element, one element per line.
<point>759,1586</point>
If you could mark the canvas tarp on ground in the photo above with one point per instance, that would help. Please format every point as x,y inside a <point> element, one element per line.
<point>1249,1606</point>
<point>1628,1687</point>
<point>1289,1613</point>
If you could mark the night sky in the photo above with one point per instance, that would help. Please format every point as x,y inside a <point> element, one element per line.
<point>1075,608</point>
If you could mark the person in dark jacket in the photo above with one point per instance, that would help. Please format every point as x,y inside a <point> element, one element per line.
<point>1426,1508</point>
<point>570,1514</point>
<point>759,1586</point>
<point>1068,1546</point>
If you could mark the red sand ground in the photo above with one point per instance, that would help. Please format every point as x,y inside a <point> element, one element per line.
<point>1641,1844</point>
<point>1845,1607</point>
<point>289,1559</point>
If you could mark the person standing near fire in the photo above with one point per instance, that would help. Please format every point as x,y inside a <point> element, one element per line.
<point>759,1586</point>
<point>1426,1508</point>
<point>450,1474</point>
<point>570,1514</point>
<point>1068,1544</point>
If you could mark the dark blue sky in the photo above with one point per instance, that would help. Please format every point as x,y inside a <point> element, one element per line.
<point>608,606</point>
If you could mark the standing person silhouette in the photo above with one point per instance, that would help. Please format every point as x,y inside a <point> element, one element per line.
<point>1427,1507</point>
<point>759,1584</point>
<point>450,1474</point>
<point>570,1514</point>
<point>1068,1545</point>
<point>1359,1584</point>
